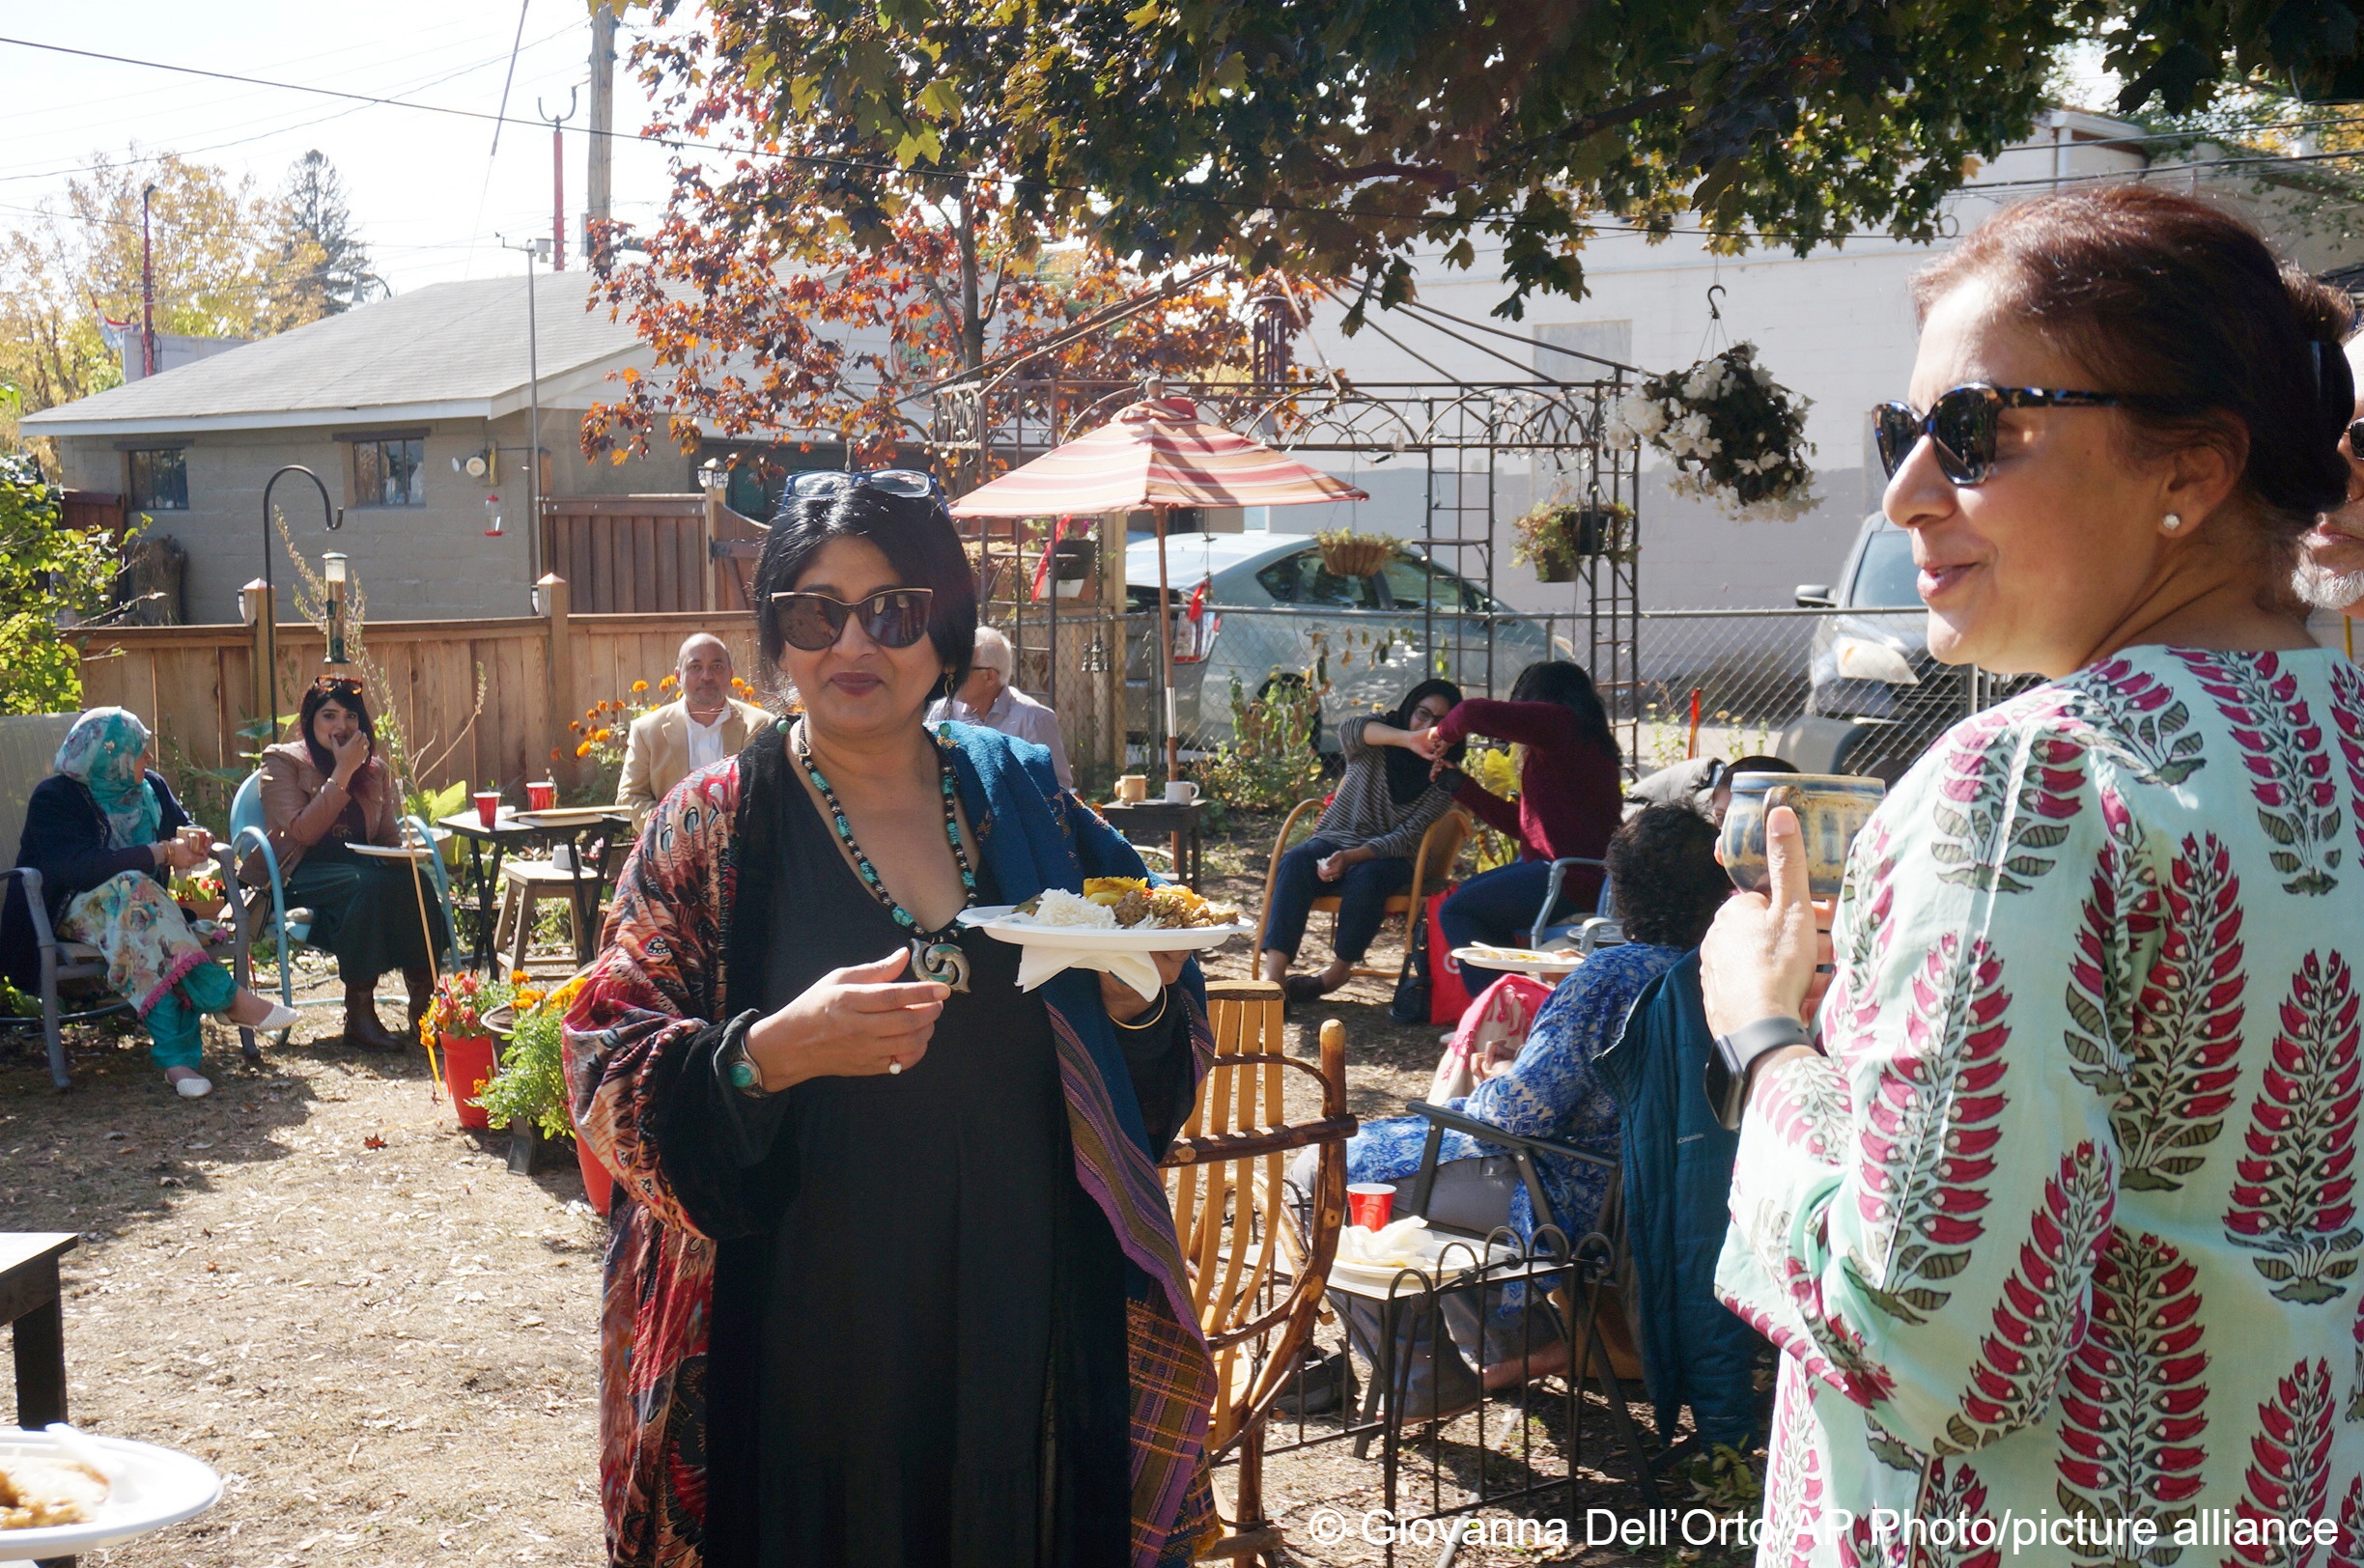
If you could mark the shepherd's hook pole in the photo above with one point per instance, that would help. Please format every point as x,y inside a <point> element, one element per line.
<point>334,516</point>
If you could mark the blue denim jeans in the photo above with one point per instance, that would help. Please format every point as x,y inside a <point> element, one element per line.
<point>1363,892</point>
<point>1498,908</point>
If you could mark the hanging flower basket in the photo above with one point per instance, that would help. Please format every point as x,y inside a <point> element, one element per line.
<point>1736,435</point>
<point>1553,536</point>
<point>1346,553</point>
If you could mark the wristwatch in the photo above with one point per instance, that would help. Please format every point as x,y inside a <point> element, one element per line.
<point>1728,1065</point>
<point>739,1070</point>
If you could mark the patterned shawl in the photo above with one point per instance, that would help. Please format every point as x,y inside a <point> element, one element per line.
<point>658,990</point>
<point>102,753</point>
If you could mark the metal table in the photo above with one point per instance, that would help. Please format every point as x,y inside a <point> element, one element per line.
<point>588,831</point>
<point>1183,825</point>
<point>29,1302</point>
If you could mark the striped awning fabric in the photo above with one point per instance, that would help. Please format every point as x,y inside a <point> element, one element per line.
<point>1155,453</point>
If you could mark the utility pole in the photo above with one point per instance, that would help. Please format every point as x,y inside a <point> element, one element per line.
<point>557,179</point>
<point>533,400</point>
<point>148,353</point>
<point>599,171</point>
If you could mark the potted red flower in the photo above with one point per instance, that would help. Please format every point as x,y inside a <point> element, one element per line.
<point>455,1026</point>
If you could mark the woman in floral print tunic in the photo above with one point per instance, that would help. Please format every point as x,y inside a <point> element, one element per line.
<point>2057,1233</point>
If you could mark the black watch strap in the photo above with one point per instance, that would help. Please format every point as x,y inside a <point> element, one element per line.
<point>1728,1064</point>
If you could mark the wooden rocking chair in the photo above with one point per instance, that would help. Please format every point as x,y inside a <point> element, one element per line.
<point>1257,1294</point>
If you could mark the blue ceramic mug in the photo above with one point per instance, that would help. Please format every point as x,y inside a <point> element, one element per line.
<point>1832,808</point>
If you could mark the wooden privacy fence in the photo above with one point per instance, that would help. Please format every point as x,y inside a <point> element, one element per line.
<point>649,554</point>
<point>196,686</point>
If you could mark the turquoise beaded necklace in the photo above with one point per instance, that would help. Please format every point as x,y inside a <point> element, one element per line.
<point>935,956</point>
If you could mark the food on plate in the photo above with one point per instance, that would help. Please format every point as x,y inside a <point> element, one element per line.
<point>1141,906</point>
<point>38,1492</point>
<point>1126,903</point>
<point>1057,906</point>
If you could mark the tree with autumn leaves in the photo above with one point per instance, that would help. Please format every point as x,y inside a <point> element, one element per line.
<point>858,247</point>
<point>1340,138</point>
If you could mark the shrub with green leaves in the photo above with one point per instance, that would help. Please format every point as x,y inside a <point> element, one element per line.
<point>531,1083</point>
<point>46,570</point>
<point>1271,763</point>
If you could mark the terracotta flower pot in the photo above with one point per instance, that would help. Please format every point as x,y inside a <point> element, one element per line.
<point>598,1187</point>
<point>468,1065</point>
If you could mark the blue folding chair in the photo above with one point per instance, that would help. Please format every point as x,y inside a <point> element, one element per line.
<point>246,834</point>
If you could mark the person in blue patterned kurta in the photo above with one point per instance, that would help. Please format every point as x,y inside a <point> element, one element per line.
<point>1666,886</point>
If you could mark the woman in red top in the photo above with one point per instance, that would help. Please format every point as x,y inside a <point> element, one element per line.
<point>1571,800</point>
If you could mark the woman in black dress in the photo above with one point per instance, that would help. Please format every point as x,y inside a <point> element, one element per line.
<point>894,1283</point>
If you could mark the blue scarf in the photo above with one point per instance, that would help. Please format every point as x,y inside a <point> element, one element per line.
<point>1031,839</point>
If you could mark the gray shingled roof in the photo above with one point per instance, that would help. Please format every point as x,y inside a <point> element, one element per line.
<point>450,350</point>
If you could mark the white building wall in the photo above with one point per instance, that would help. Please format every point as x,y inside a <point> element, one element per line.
<point>1836,326</point>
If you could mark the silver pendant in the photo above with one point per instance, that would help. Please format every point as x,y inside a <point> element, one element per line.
<point>941,962</point>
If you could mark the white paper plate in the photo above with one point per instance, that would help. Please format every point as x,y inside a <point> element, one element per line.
<point>1486,956</point>
<point>153,1487</point>
<point>994,919</point>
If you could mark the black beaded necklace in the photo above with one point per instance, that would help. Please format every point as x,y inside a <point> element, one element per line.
<point>935,955</point>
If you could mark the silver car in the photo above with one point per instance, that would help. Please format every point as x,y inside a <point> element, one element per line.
<point>1260,608</point>
<point>1871,662</point>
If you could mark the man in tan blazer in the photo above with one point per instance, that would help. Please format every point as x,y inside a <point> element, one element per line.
<point>706,725</point>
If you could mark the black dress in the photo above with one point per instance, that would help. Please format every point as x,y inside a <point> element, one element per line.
<point>934,1327</point>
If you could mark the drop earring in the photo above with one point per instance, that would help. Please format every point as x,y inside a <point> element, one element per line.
<point>2172,522</point>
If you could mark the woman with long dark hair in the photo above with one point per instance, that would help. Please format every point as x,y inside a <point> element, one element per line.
<point>1569,802</point>
<point>323,793</point>
<point>1363,847</point>
<point>891,1278</point>
<point>2051,1210</point>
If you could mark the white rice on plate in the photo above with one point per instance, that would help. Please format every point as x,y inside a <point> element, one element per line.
<point>1057,906</point>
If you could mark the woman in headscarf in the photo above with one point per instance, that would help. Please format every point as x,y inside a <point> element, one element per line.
<point>106,834</point>
<point>1363,847</point>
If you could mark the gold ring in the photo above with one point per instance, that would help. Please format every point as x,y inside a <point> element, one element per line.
<point>893,1066</point>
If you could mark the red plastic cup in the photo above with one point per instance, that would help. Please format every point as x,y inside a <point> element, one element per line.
<point>488,806</point>
<point>540,795</point>
<point>1368,1204</point>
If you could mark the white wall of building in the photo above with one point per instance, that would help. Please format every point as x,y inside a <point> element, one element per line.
<point>1835,325</point>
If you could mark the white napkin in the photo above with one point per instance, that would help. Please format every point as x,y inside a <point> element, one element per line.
<point>1396,1247</point>
<point>1035,964</point>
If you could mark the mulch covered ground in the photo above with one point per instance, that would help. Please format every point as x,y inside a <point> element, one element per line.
<point>386,1342</point>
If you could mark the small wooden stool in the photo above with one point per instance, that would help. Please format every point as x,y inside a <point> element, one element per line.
<point>524,884</point>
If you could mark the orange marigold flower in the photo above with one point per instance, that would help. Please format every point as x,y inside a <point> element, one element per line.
<point>584,750</point>
<point>666,684</point>
<point>517,977</point>
<point>640,685</point>
<point>601,736</point>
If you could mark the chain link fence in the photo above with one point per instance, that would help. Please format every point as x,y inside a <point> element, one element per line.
<point>1849,690</point>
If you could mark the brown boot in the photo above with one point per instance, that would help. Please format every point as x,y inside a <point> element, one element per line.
<point>361,1025</point>
<point>421,982</point>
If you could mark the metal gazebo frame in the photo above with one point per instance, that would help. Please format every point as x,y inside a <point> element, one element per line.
<point>1461,434</point>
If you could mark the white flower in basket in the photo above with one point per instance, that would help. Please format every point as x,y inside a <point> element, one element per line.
<point>1736,437</point>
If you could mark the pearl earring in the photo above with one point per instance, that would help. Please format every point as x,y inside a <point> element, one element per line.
<point>2172,522</point>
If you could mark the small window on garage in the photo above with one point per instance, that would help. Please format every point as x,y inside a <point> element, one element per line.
<point>159,479</point>
<point>390,471</point>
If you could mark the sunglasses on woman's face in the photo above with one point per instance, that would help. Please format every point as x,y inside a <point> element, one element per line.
<point>891,618</point>
<point>1963,425</point>
<point>2355,441</point>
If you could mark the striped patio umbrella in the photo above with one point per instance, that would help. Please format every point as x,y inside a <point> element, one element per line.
<point>1156,454</point>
